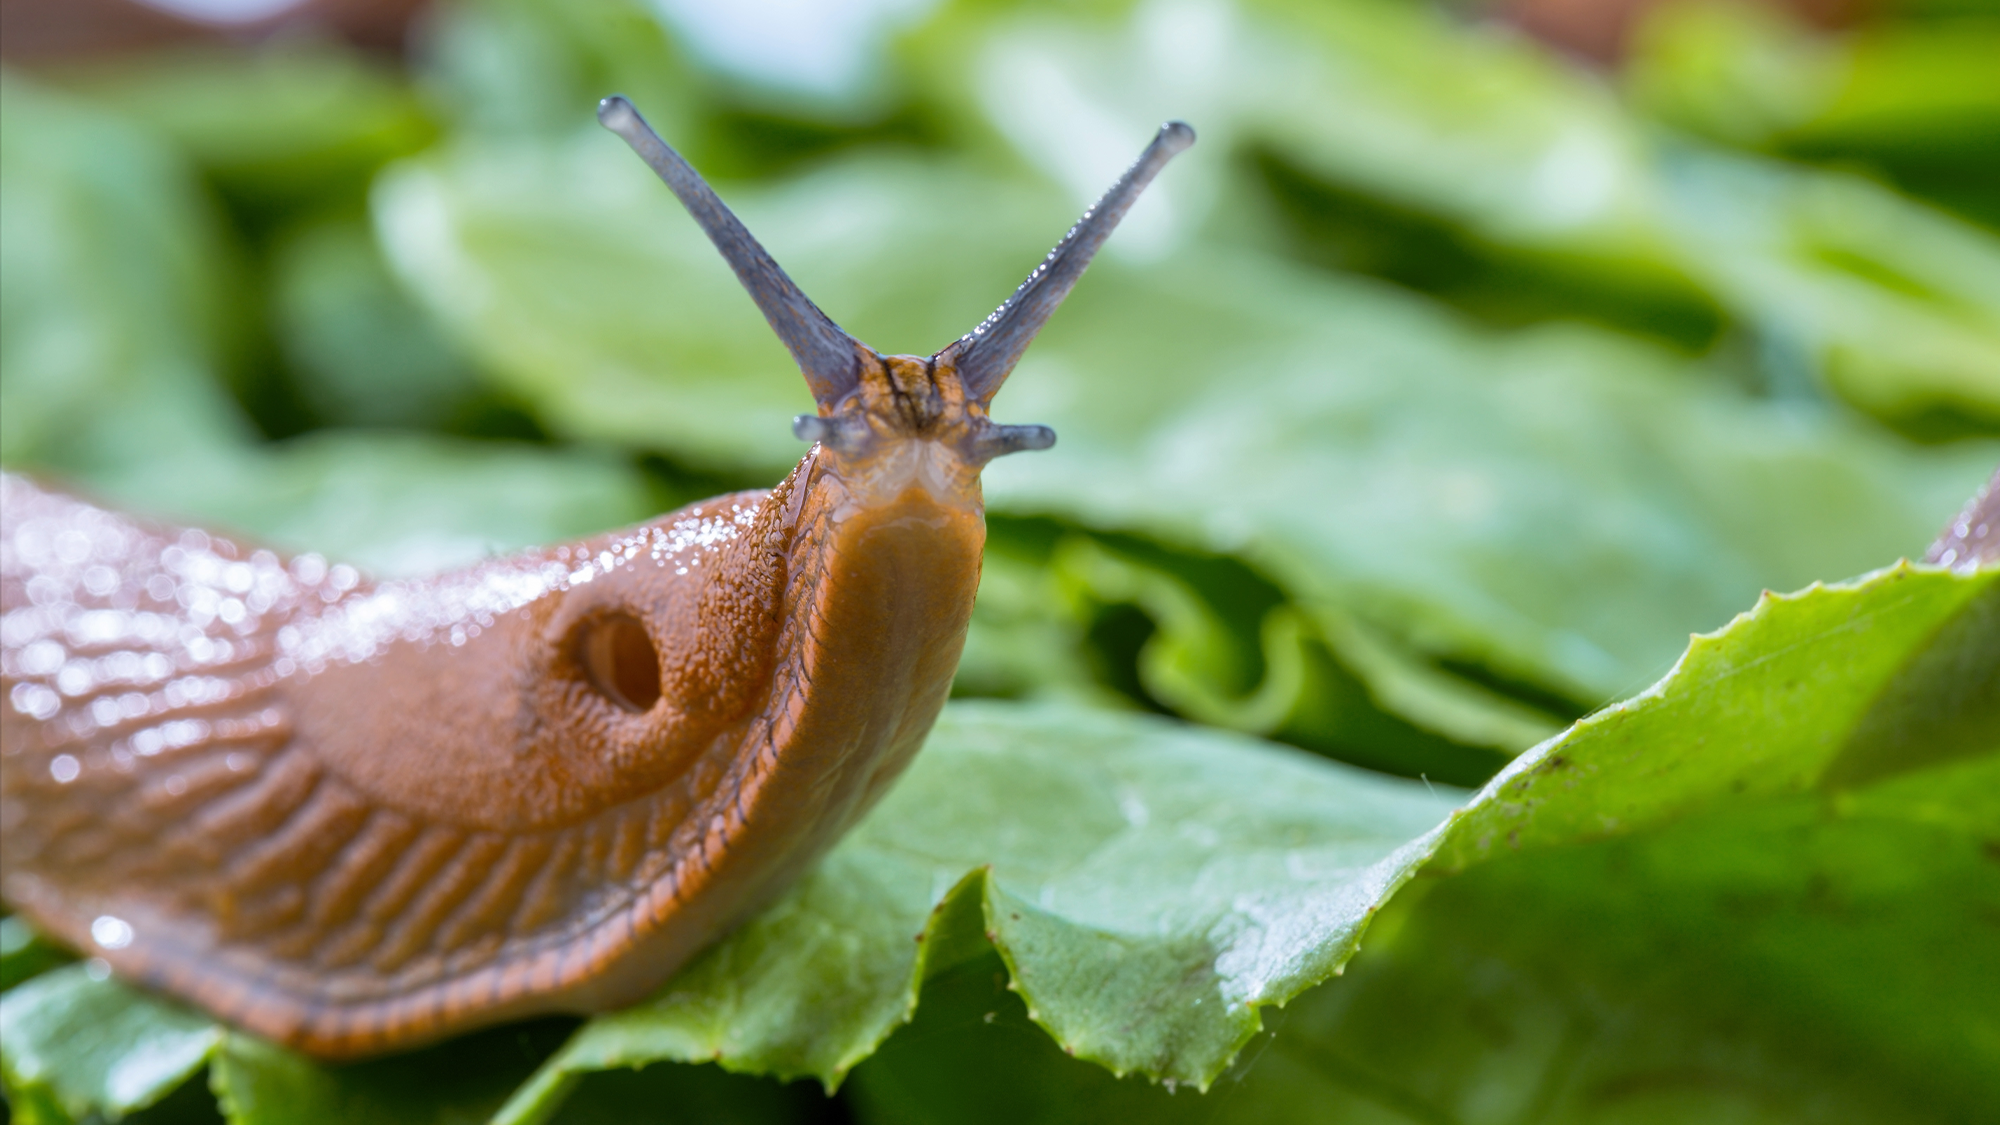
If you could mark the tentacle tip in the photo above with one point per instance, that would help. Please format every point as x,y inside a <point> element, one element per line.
<point>998,441</point>
<point>811,427</point>
<point>1176,135</point>
<point>1026,439</point>
<point>845,434</point>
<point>616,113</point>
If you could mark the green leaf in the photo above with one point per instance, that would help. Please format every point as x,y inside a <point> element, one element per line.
<point>107,377</point>
<point>24,953</point>
<point>1726,899</point>
<point>1909,97</point>
<point>1816,688</point>
<point>463,1080</point>
<point>367,356</point>
<point>1122,622</point>
<point>528,66</point>
<point>1768,847</point>
<point>280,130</point>
<point>395,504</point>
<point>1591,985</point>
<point>1383,464</point>
<point>1150,886</point>
<point>93,1045</point>
<point>1774,963</point>
<point>708,1094</point>
<point>1525,167</point>
<point>109,293</point>
<point>1320,685</point>
<point>972,1056</point>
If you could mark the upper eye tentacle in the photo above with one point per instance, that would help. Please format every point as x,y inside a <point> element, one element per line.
<point>829,358</point>
<point>986,355</point>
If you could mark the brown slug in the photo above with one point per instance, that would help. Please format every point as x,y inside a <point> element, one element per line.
<point>358,816</point>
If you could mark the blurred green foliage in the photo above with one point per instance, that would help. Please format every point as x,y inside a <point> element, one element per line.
<point>1431,402</point>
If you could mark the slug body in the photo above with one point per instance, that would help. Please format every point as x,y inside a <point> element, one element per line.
<point>355,817</point>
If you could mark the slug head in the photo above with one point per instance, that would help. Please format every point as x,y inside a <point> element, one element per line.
<point>891,417</point>
<point>910,420</point>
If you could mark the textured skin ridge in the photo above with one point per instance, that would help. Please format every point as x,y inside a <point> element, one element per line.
<point>172,763</point>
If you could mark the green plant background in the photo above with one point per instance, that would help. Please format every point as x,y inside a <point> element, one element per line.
<point>1421,413</point>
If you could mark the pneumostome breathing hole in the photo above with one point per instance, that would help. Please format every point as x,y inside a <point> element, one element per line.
<point>619,658</point>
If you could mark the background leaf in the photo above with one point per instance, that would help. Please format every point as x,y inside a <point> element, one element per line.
<point>1727,934</point>
<point>90,1044</point>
